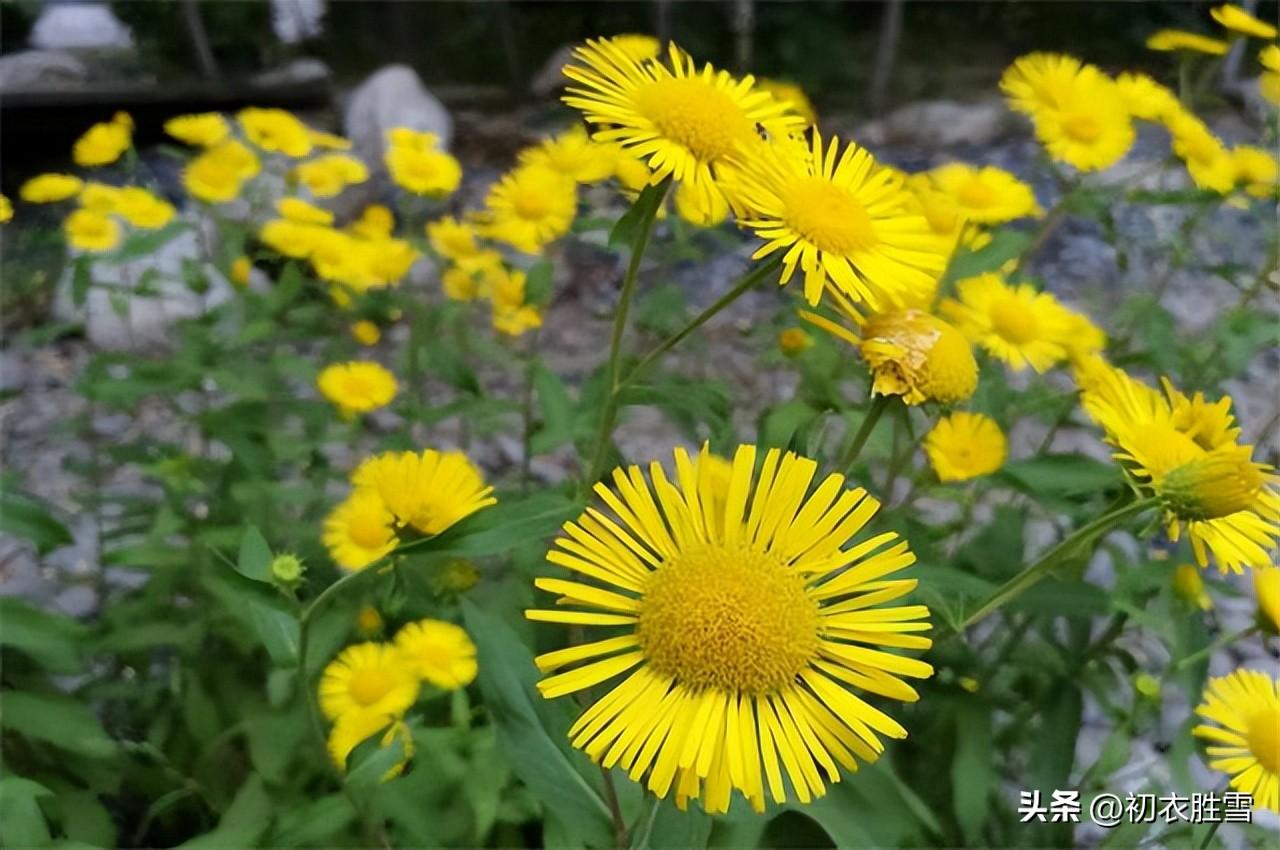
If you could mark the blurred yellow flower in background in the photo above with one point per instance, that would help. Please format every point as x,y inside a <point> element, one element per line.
<point>1012,322</point>
<point>1145,98</point>
<point>1188,584</point>
<point>326,176</point>
<point>367,680</point>
<point>790,95</point>
<point>1234,18</point>
<point>417,165</point>
<point>375,222</point>
<point>368,621</point>
<point>793,341</point>
<point>359,530</point>
<point>1208,161</point>
<point>50,188</point>
<point>275,130</point>
<point>218,174</point>
<point>1256,170</point>
<point>359,386</point>
<point>241,268</point>
<point>1269,81</point>
<point>965,445</point>
<point>451,238</point>
<point>301,212</point>
<point>429,490</point>
<point>440,653</point>
<point>87,230</point>
<point>1266,588</point>
<point>366,332</point>
<point>103,143</point>
<point>6,210</point>
<point>1168,40</point>
<point>530,207</point>
<point>143,209</point>
<point>986,194</point>
<point>574,155</point>
<point>203,130</point>
<point>354,729</point>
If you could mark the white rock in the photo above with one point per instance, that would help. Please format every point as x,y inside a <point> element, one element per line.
<point>392,97</point>
<point>79,25</point>
<point>939,123</point>
<point>297,20</point>
<point>40,69</point>
<point>304,70</point>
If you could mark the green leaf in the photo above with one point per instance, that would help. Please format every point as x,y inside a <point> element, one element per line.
<point>259,609</point>
<point>972,770</point>
<point>1053,751</point>
<point>313,824</point>
<point>245,821</point>
<point>142,243</point>
<point>371,771</point>
<point>556,408</point>
<point>1062,475</point>
<point>532,732</point>
<point>53,640</point>
<point>22,823</point>
<point>56,719</point>
<point>81,279</point>
<point>780,425</point>
<point>27,517</point>
<point>537,284</point>
<point>1005,245</point>
<point>84,819</point>
<point>643,208</point>
<point>512,522</point>
<point>666,826</point>
<point>254,561</point>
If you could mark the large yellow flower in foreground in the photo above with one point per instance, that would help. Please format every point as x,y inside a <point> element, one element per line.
<point>1185,450</point>
<point>1238,20</point>
<point>530,207</point>
<point>439,653</point>
<point>1244,733</point>
<point>360,386</point>
<point>202,130</point>
<point>367,679</point>
<point>275,130</point>
<point>985,195</point>
<point>839,217</point>
<point>1014,322</point>
<point>742,624</point>
<point>964,446</point>
<point>429,490</point>
<point>687,123</point>
<point>103,143</point>
<point>1169,40</point>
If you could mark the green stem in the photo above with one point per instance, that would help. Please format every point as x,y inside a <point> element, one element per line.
<point>609,411</point>
<point>878,407</point>
<point>1047,226</point>
<point>1054,558</point>
<point>526,415</point>
<point>1220,643</point>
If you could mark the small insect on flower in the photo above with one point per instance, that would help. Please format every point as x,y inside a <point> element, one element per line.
<point>359,386</point>
<point>50,188</point>
<point>428,490</point>
<point>741,626</point>
<point>440,653</point>
<point>1243,733</point>
<point>965,445</point>
<point>367,679</point>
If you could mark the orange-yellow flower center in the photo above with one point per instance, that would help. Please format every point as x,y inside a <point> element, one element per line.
<point>529,202</point>
<point>728,618</point>
<point>367,686</point>
<point>828,216</point>
<point>1082,126</point>
<point>1263,735</point>
<point>696,115</point>
<point>976,193</point>
<point>1011,319</point>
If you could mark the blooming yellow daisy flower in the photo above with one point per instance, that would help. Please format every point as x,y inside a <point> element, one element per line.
<point>352,730</point>
<point>1244,733</point>
<point>469,278</point>
<point>1208,161</point>
<point>1188,585</point>
<point>1145,98</point>
<point>143,209</point>
<point>375,222</point>
<point>742,625</point>
<point>1089,128</point>
<point>1256,170</point>
<point>530,207</point>
<point>416,163</point>
<point>240,271</point>
<point>964,446</point>
<point>328,141</point>
<point>439,653</point>
<point>296,240</point>
<point>326,176</point>
<point>369,679</point>
<point>1040,81</point>
<point>359,531</point>
<point>301,212</point>
<point>1184,449</point>
<point>573,154</point>
<point>794,341</point>
<point>841,218</point>
<point>203,130</point>
<point>687,123</point>
<point>699,211</point>
<point>103,143</point>
<point>357,387</point>
<point>275,130</point>
<point>6,210</point>
<point>1082,339</point>
<point>985,195</point>
<point>516,321</point>
<point>217,175</point>
<point>791,96</point>
<point>1266,587</point>
<point>50,188</point>
<point>1238,20</point>
<point>1269,81</point>
<point>429,490</point>
<point>1169,40</point>
<point>365,332</point>
<point>451,238</point>
<point>87,230</point>
<point>1013,322</point>
<point>638,46</point>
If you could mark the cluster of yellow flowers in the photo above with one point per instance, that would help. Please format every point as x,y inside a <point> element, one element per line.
<point>396,493</point>
<point>94,225</point>
<point>369,687</point>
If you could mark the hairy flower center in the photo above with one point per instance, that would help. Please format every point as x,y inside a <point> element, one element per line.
<point>1082,127</point>
<point>1264,738</point>
<point>977,194</point>
<point>728,618</point>
<point>695,114</point>
<point>829,217</point>
<point>1011,319</point>
<point>368,686</point>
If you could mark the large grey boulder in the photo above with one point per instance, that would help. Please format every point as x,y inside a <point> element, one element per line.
<point>939,124</point>
<point>78,25</point>
<point>392,97</point>
<point>39,70</point>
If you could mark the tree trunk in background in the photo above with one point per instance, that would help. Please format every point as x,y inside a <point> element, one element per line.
<point>743,25</point>
<point>662,21</point>
<point>510,48</point>
<point>199,40</point>
<point>886,54</point>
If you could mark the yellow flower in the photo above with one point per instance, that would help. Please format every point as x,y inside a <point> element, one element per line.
<point>143,209</point>
<point>1185,451</point>
<point>1012,322</point>
<point>631,173</point>
<point>357,387</point>
<point>375,222</point>
<point>1169,40</point>
<point>1256,170</point>
<point>439,653</point>
<point>1208,161</point>
<point>366,332</point>
<point>428,490</point>
<point>841,218</point>
<point>793,341</point>
<point>1244,733</point>
<point>986,195</point>
<point>687,123</point>
<point>354,729</point>
<point>516,321</point>
<point>367,679</point>
<point>700,212</point>
<point>452,239</point>
<point>359,531</point>
<point>301,212</point>
<point>1188,585</point>
<point>103,143</point>
<point>328,141</point>
<point>1145,98</point>
<point>791,96</point>
<point>473,277</point>
<point>744,632</point>
<point>368,621</point>
<point>6,210</point>
<point>1269,82</point>
<point>1040,81</point>
<point>964,446</point>
<point>1089,126</point>
<point>90,231</point>
<point>1081,338</point>
<point>241,268</point>
<point>50,188</point>
<point>275,130</point>
<point>418,166</point>
<point>99,197</point>
<point>295,240</point>
<point>217,175</point>
<point>530,207</point>
<point>573,155</point>
<point>1238,20</point>
<point>326,176</point>
<point>203,130</point>
<point>638,47</point>
<point>1266,587</point>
